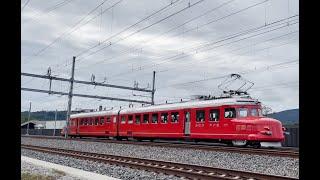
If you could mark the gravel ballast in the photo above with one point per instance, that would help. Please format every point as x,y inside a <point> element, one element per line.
<point>100,168</point>
<point>281,166</point>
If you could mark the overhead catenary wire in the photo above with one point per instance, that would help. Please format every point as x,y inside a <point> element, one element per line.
<point>146,27</point>
<point>197,50</point>
<point>228,37</point>
<point>68,30</point>
<point>25,4</point>
<point>127,28</point>
<point>267,67</point>
<point>50,9</point>
<point>182,49</point>
<point>144,43</point>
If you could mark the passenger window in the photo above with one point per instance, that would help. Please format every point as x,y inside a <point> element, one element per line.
<point>101,120</point>
<point>96,122</point>
<point>91,121</point>
<point>243,112</point>
<point>164,118</point>
<point>108,119</point>
<point>146,118</point>
<point>155,118</point>
<point>123,119</point>
<point>175,117</point>
<point>229,113</point>
<point>214,115</point>
<point>138,119</point>
<point>130,119</point>
<point>200,115</point>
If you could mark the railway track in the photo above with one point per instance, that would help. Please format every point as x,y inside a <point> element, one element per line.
<point>177,169</point>
<point>284,152</point>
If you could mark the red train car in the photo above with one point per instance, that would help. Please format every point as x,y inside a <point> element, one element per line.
<point>234,120</point>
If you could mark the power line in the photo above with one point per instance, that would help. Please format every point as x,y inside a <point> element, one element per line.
<point>243,72</point>
<point>125,29</point>
<point>250,30</point>
<point>196,50</point>
<point>208,59</point>
<point>146,27</point>
<point>51,9</point>
<point>65,32</point>
<point>25,4</point>
<point>149,40</point>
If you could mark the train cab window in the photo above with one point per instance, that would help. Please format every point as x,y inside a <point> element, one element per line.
<point>200,115</point>
<point>243,112</point>
<point>138,119</point>
<point>229,113</point>
<point>260,112</point>
<point>214,115</point>
<point>155,118</point>
<point>254,112</point>
<point>164,118</point>
<point>96,121</point>
<point>101,120</point>
<point>108,120</point>
<point>174,117</point>
<point>123,119</point>
<point>146,118</point>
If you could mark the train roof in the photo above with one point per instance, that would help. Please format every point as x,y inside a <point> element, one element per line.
<point>175,106</point>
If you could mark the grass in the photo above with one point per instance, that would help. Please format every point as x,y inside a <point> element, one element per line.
<point>59,173</point>
<point>28,176</point>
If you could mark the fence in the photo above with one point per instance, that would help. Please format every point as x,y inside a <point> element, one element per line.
<point>292,140</point>
<point>42,132</point>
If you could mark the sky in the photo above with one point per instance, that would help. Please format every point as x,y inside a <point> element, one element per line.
<point>191,44</point>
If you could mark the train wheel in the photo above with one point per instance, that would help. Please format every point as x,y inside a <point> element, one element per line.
<point>242,143</point>
<point>256,145</point>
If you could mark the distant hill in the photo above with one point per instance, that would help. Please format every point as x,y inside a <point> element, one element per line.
<point>287,117</point>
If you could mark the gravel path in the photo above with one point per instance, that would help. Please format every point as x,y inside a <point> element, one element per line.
<point>50,173</point>
<point>282,166</point>
<point>100,168</point>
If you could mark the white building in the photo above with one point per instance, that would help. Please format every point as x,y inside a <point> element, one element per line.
<point>59,124</point>
<point>54,124</point>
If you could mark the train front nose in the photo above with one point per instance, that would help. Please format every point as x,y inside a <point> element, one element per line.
<point>270,132</point>
<point>271,128</point>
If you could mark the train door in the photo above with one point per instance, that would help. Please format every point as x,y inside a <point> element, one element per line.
<point>187,121</point>
<point>77,125</point>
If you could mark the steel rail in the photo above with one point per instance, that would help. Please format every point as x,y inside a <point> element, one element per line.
<point>283,152</point>
<point>177,169</point>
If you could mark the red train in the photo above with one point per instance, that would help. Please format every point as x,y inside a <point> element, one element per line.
<point>234,120</point>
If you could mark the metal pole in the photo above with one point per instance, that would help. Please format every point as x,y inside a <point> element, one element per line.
<point>55,119</point>
<point>153,90</point>
<point>28,119</point>
<point>70,97</point>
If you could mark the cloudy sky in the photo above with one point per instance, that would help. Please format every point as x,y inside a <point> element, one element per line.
<point>190,44</point>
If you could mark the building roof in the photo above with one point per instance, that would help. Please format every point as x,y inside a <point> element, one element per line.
<point>38,122</point>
